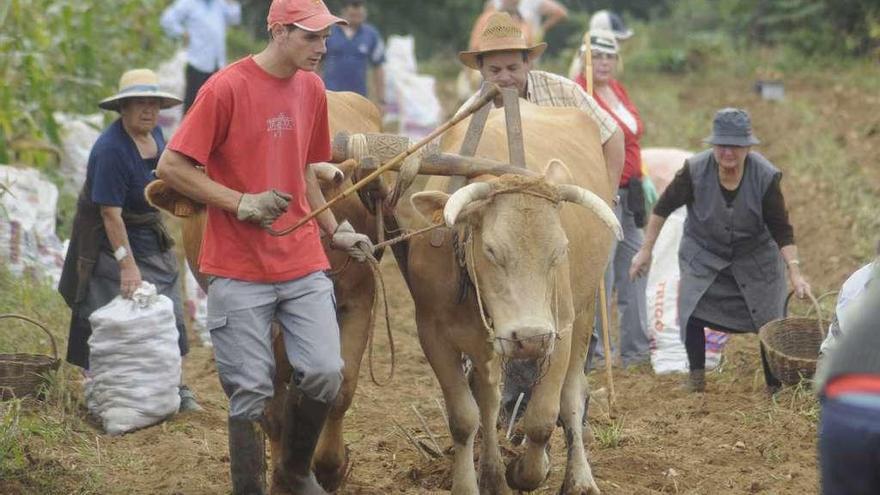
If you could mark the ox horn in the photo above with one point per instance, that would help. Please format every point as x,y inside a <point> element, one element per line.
<point>327,172</point>
<point>463,197</point>
<point>589,200</point>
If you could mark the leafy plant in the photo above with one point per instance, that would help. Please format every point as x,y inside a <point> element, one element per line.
<point>66,55</point>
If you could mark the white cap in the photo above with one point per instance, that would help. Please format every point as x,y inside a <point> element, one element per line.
<point>609,21</point>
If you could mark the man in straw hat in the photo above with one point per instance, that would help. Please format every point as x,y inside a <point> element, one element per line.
<point>118,240</point>
<point>255,127</point>
<point>503,57</point>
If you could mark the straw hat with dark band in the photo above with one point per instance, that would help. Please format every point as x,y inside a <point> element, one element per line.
<point>139,83</point>
<point>500,35</point>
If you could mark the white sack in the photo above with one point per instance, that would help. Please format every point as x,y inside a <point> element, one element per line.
<point>28,243</point>
<point>78,135</point>
<point>134,362</point>
<point>668,354</point>
<point>172,79</point>
<point>410,98</point>
<point>197,307</point>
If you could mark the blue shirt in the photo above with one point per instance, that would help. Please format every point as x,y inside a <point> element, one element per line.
<point>117,176</point>
<point>347,59</point>
<point>205,21</point>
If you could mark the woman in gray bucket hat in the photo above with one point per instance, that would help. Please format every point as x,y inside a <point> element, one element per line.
<point>737,241</point>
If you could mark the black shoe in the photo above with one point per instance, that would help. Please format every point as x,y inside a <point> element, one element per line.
<point>247,457</point>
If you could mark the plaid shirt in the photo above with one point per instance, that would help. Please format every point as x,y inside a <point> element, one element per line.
<point>551,90</point>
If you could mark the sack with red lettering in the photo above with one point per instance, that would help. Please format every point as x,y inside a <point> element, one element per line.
<point>668,354</point>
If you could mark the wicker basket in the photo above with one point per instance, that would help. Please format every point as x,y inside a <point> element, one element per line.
<point>22,374</point>
<point>792,344</point>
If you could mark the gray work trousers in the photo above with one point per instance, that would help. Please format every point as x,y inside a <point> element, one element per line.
<point>631,305</point>
<point>239,318</point>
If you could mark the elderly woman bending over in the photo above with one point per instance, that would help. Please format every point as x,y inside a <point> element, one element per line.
<point>732,274</point>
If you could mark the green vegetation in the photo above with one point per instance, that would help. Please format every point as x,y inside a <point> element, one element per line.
<point>28,427</point>
<point>65,55</point>
<point>608,435</point>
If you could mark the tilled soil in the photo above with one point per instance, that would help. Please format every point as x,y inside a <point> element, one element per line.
<point>732,439</point>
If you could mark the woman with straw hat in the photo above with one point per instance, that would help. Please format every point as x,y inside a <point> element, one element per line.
<point>732,274</point>
<point>118,239</point>
<point>613,97</point>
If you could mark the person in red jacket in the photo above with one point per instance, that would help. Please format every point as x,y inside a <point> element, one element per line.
<point>610,94</point>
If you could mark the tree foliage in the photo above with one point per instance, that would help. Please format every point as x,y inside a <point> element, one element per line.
<point>65,55</point>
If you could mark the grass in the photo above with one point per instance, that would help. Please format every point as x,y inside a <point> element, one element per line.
<point>610,435</point>
<point>42,440</point>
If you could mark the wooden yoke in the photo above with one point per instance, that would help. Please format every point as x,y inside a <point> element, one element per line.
<point>513,120</point>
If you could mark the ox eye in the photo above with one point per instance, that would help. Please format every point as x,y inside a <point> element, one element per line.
<point>491,254</point>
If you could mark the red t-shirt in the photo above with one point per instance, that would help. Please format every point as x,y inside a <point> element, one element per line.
<point>253,132</point>
<point>632,165</point>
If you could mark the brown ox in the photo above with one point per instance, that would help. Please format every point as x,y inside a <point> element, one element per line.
<point>534,253</point>
<point>353,286</point>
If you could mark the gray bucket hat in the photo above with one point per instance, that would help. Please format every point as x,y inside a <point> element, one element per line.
<point>732,127</point>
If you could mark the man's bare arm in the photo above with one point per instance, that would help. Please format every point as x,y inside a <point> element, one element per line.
<point>326,219</point>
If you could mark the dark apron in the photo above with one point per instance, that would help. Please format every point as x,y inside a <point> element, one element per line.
<point>732,273</point>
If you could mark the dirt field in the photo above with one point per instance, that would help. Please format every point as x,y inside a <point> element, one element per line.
<point>730,440</point>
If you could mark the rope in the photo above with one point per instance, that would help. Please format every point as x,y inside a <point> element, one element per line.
<point>339,271</point>
<point>408,236</point>
<point>380,284</point>
<point>469,261</point>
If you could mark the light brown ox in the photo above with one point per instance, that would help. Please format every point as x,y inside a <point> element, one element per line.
<point>536,260</point>
<point>354,287</point>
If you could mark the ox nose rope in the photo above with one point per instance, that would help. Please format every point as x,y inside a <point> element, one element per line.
<point>469,261</point>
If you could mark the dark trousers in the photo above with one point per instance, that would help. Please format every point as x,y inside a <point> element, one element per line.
<point>849,449</point>
<point>194,80</point>
<point>695,344</point>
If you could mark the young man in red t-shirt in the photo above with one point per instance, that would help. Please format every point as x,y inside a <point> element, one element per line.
<point>255,126</point>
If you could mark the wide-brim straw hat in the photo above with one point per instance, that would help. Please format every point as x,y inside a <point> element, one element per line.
<point>732,127</point>
<point>139,83</point>
<point>501,34</point>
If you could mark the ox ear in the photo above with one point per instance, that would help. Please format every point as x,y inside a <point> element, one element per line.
<point>328,174</point>
<point>160,195</point>
<point>557,172</point>
<point>430,204</point>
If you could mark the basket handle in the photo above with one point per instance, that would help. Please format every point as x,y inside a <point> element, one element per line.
<point>38,324</point>
<point>815,303</point>
<point>821,298</point>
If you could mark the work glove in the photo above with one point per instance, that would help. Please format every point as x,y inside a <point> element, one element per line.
<point>358,246</point>
<point>262,208</point>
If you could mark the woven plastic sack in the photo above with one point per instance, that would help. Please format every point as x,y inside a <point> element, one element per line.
<point>134,362</point>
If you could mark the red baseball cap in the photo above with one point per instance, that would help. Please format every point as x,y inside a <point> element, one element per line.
<point>311,15</point>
